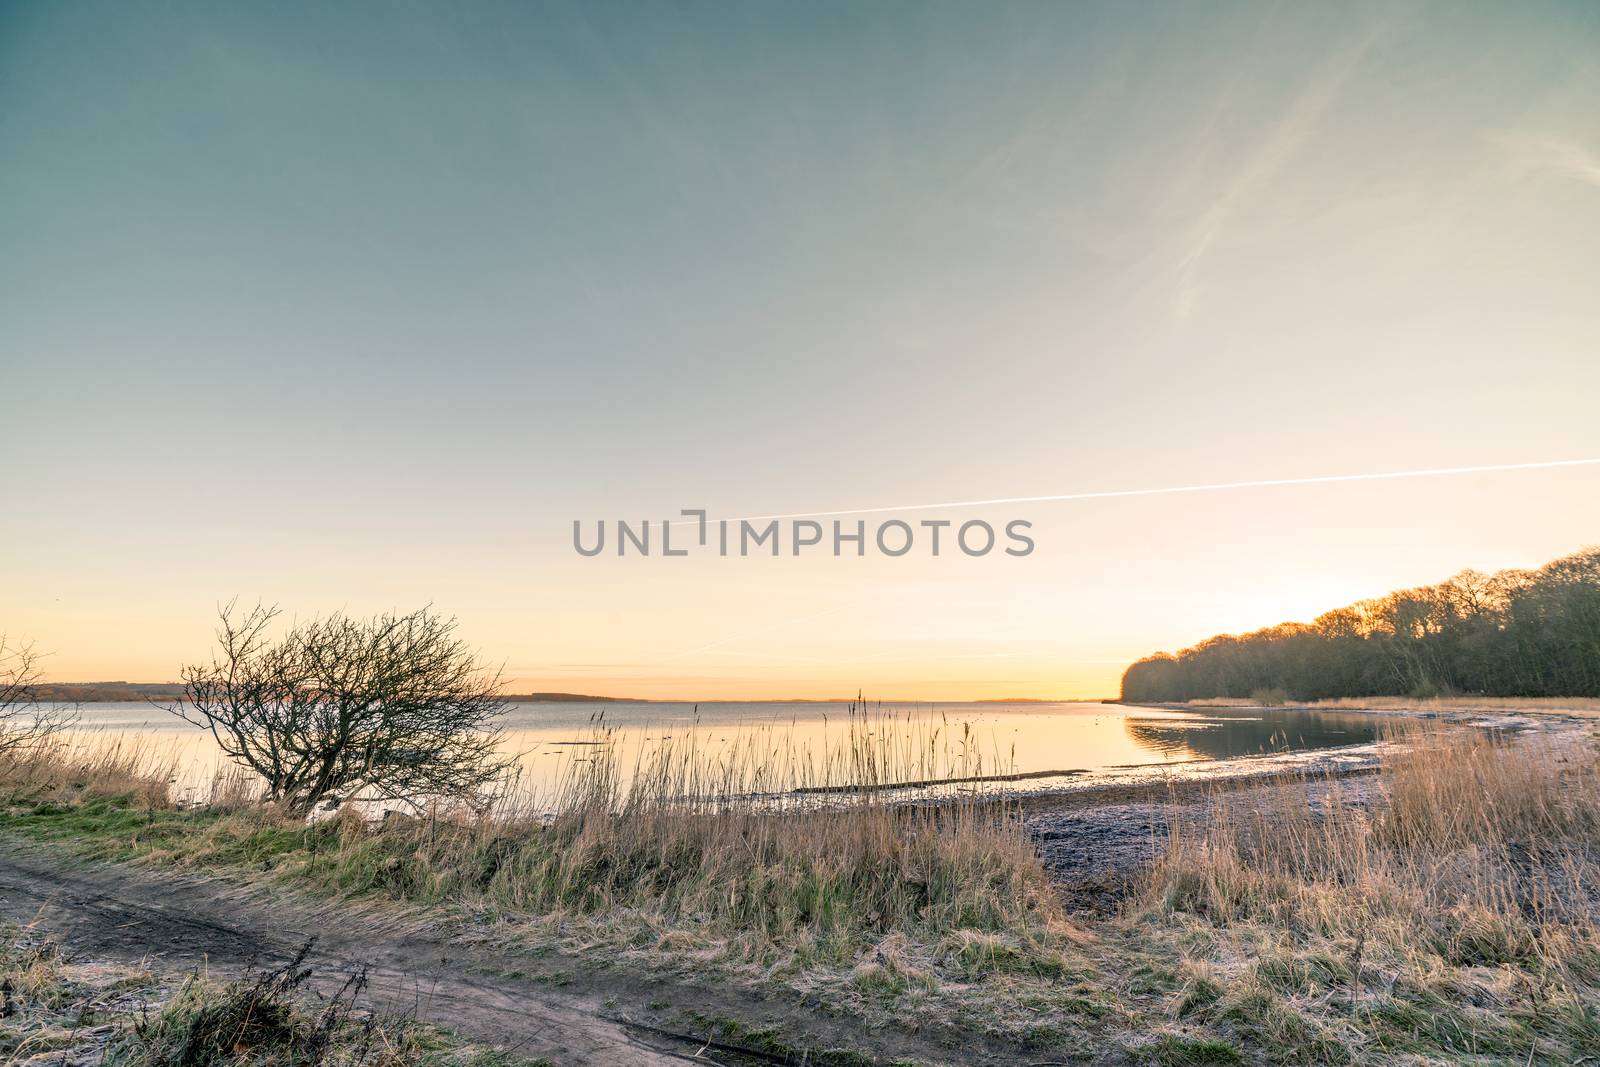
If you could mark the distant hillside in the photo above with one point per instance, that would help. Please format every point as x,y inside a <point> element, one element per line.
<point>568,698</point>
<point>102,692</point>
<point>111,692</point>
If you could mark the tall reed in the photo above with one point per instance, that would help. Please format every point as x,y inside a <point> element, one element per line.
<point>1473,846</point>
<point>885,824</point>
<point>69,766</point>
<point>883,827</point>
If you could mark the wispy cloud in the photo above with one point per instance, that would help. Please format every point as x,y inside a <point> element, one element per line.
<point>1550,154</point>
<point>1263,164</point>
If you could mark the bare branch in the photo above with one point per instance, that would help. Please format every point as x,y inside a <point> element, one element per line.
<point>25,720</point>
<point>395,707</point>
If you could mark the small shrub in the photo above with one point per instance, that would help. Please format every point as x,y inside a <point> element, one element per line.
<point>260,1019</point>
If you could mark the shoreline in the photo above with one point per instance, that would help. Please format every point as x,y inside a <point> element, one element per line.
<point>1096,840</point>
<point>1543,707</point>
<point>1249,770</point>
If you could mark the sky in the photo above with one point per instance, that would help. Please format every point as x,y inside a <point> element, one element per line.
<point>359,306</point>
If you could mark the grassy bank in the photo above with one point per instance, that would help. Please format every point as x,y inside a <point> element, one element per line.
<point>1454,919</point>
<point>679,839</point>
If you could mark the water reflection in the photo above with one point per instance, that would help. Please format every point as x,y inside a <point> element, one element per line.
<point>1030,742</point>
<point>1229,734</point>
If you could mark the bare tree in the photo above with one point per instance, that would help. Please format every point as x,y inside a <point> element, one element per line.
<point>25,720</point>
<point>393,708</point>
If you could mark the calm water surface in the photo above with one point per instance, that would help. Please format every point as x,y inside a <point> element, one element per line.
<point>1073,740</point>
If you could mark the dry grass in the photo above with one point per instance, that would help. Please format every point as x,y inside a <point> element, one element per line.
<point>51,1010</point>
<point>54,1011</point>
<point>766,836</point>
<point>67,767</point>
<point>762,838</point>
<point>1584,707</point>
<point>1457,912</point>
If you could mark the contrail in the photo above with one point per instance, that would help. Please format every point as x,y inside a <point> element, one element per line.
<point>1432,472</point>
<point>1264,483</point>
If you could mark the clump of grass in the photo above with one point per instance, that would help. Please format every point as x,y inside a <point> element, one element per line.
<point>1450,789</point>
<point>263,1019</point>
<point>54,1011</point>
<point>1176,1050</point>
<point>30,970</point>
<point>49,1007</point>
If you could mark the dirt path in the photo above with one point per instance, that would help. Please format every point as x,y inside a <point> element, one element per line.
<point>576,1013</point>
<point>177,925</point>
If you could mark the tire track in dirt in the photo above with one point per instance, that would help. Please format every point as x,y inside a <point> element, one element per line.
<point>577,1012</point>
<point>175,925</point>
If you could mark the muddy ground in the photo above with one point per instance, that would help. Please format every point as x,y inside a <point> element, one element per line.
<point>1096,846</point>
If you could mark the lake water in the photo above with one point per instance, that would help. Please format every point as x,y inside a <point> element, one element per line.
<point>817,745</point>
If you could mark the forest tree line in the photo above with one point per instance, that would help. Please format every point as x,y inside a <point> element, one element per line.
<point>1513,633</point>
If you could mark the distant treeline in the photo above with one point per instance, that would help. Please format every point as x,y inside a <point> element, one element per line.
<point>1515,633</point>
